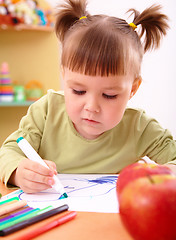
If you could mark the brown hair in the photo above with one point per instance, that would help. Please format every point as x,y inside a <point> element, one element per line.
<point>104,45</point>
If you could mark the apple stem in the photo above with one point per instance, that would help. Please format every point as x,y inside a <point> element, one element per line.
<point>150,179</point>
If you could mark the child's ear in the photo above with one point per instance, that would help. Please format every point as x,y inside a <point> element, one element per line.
<point>135,86</point>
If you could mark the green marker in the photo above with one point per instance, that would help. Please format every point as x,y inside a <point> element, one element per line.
<point>12,219</point>
<point>9,200</point>
<point>24,217</point>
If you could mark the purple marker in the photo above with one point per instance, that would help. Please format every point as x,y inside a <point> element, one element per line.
<point>16,214</point>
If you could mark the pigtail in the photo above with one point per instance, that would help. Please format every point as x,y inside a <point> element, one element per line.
<point>154,25</point>
<point>68,14</point>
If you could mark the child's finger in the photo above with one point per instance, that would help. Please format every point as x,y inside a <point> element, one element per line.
<point>51,165</point>
<point>38,168</point>
<point>33,187</point>
<point>38,178</point>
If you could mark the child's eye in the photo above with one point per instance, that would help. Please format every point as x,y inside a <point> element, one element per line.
<point>78,92</point>
<point>109,96</point>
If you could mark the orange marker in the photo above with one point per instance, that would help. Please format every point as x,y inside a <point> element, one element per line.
<point>7,208</point>
<point>8,203</point>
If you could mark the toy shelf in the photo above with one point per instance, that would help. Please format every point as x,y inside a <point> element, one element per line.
<point>16,104</point>
<point>23,27</point>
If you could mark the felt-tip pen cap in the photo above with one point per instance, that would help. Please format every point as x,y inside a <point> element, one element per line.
<point>19,139</point>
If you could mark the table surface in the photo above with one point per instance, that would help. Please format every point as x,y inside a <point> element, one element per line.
<point>86,226</point>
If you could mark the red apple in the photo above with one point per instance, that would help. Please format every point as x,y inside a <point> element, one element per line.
<point>147,208</point>
<point>137,170</point>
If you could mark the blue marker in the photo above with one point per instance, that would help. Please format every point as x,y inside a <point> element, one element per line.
<point>33,155</point>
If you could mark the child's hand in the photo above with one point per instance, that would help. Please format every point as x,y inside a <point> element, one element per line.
<point>32,177</point>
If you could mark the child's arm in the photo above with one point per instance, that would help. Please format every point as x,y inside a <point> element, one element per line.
<point>31,127</point>
<point>33,177</point>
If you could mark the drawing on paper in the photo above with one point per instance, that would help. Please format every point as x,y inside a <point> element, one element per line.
<point>76,186</point>
<point>86,192</point>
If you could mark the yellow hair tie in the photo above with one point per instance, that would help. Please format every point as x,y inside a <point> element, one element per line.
<point>82,17</point>
<point>133,25</point>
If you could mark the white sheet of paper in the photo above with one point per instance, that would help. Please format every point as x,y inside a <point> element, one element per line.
<point>86,192</point>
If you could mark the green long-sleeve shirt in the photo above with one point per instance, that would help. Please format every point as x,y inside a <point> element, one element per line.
<point>49,130</point>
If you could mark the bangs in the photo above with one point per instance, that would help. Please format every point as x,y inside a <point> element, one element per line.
<point>95,51</point>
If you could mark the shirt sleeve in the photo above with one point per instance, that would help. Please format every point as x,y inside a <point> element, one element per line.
<point>31,127</point>
<point>153,141</point>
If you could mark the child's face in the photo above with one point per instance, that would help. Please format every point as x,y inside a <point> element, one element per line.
<point>95,104</point>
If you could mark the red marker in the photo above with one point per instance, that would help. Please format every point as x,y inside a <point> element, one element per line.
<point>48,226</point>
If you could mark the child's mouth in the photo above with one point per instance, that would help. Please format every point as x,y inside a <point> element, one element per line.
<point>90,121</point>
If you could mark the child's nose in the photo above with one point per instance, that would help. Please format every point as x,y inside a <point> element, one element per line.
<point>92,105</point>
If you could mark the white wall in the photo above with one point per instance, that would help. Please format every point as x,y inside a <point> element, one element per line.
<point>157,94</point>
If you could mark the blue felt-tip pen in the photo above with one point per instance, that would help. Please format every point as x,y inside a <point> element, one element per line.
<point>34,156</point>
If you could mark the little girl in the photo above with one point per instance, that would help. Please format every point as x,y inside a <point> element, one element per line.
<point>89,129</point>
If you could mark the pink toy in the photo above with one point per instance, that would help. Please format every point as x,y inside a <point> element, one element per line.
<point>6,89</point>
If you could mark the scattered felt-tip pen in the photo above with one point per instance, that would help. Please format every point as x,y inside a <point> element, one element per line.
<point>15,226</point>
